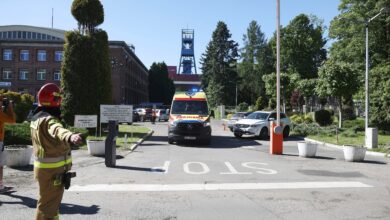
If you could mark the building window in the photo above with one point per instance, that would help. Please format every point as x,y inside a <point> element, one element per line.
<point>41,74</point>
<point>7,73</point>
<point>24,55</point>
<point>7,54</point>
<point>41,56</point>
<point>57,75</point>
<point>58,56</point>
<point>23,74</point>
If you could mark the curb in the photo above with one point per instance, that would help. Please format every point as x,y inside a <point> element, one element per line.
<point>134,146</point>
<point>371,153</point>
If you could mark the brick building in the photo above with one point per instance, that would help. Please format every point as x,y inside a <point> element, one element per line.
<point>184,82</point>
<point>32,56</point>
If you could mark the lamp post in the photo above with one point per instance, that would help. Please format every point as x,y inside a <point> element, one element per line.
<point>366,75</point>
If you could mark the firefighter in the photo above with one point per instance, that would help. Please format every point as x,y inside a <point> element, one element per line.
<point>52,150</point>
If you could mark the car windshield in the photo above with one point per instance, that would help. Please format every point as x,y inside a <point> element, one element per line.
<point>189,107</point>
<point>258,116</point>
<point>238,115</point>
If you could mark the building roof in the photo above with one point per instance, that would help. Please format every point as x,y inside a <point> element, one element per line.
<point>15,32</point>
<point>19,33</point>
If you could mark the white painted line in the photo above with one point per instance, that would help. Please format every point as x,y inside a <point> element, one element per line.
<point>209,187</point>
<point>205,168</point>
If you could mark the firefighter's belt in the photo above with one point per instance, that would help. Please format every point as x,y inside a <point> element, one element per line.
<point>52,162</point>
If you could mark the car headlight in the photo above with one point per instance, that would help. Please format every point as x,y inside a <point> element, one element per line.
<point>206,124</point>
<point>173,123</point>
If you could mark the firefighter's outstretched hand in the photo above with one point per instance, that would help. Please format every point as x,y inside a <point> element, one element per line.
<point>76,139</point>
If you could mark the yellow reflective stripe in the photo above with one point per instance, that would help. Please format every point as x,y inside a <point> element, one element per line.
<point>41,152</point>
<point>52,165</point>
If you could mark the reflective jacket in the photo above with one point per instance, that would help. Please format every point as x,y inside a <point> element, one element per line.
<point>51,141</point>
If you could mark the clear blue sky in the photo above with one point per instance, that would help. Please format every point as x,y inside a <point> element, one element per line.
<point>154,26</point>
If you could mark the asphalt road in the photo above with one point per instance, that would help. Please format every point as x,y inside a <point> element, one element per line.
<point>230,179</point>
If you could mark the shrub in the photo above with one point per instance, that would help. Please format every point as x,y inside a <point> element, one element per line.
<point>243,106</point>
<point>22,104</point>
<point>296,119</point>
<point>261,103</point>
<point>308,118</point>
<point>356,125</point>
<point>313,129</point>
<point>323,117</point>
<point>17,134</point>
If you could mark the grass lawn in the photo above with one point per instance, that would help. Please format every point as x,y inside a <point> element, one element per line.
<point>128,135</point>
<point>383,140</point>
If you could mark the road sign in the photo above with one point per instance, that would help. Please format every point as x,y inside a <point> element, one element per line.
<point>85,121</point>
<point>120,113</point>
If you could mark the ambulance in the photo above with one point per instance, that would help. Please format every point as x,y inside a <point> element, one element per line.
<point>189,118</point>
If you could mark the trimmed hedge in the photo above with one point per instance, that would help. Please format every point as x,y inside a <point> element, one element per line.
<point>17,134</point>
<point>20,133</point>
<point>323,117</point>
<point>23,103</point>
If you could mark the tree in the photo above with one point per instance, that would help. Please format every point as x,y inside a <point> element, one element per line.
<point>218,66</point>
<point>348,29</point>
<point>256,61</point>
<point>303,46</point>
<point>303,52</point>
<point>88,13</point>
<point>287,81</point>
<point>337,79</point>
<point>161,87</point>
<point>86,60</point>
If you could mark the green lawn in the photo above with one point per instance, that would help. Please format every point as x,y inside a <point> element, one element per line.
<point>383,140</point>
<point>128,135</point>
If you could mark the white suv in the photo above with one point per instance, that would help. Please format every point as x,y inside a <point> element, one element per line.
<point>258,124</point>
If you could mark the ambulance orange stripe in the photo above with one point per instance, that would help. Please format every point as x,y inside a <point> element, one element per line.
<point>190,99</point>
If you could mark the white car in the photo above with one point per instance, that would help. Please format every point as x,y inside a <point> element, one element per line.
<point>162,114</point>
<point>258,124</point>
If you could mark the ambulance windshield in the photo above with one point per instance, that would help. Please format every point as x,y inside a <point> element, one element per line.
<point>188,107</point>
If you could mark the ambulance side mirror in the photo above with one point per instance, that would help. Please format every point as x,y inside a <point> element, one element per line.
<point>212,114</point>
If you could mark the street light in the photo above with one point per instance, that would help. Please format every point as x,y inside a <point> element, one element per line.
<point>366,75</point>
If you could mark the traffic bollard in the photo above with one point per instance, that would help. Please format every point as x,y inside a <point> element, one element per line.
<point>110,147</point>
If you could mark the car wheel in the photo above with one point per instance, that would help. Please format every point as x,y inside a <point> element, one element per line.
<point>170,141</point>
<point>263,133</point>
<point>237,135</point>
<point>286,132</point>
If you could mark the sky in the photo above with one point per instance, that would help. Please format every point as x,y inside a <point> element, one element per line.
<point>154,26</point>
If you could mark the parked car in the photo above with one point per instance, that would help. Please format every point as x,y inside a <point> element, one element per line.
<point>162,114</point>
<point>258,124</point>
<point>144,113</point>
<point>235,117</point>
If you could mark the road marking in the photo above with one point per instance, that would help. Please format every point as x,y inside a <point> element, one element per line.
<point>212,187</point>
<point>164,168</point>
<point>233,170</point>
<point>205,168</point>
<point>260,169</point>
